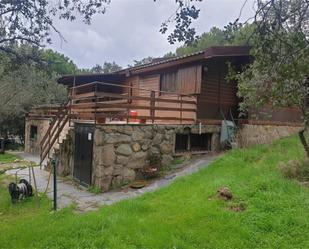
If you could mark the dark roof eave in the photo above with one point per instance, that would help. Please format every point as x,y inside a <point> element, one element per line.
<point>213,52</point>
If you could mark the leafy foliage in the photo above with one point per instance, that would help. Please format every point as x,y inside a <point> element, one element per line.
<point>23,86</point>
<point>32,22</point>
<point>279,73</point>
<point>108,67</point>
<point>183,17</point>
<point>218,37</point>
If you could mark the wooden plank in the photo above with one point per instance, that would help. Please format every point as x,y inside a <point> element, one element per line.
<point>77,107</point>
<point>165,100</point>
<point>102,115</point>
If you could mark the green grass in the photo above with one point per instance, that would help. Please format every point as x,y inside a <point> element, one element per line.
<point>186,214</point>
<point>7,158</point>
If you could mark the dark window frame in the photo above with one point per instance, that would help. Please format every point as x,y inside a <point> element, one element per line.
<point>33,132</point>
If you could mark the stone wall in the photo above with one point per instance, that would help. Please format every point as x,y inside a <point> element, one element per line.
<point>263,134</point>
<point>32,146</point>
<point>65,155</point>
<point>121,151</point>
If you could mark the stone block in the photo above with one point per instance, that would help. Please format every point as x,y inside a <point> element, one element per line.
<point>137,135</point>
<point>105,183</point>
<point>98,137</point>
<point>106,155</point>
<point>136,163</point>
<point>117,181</point>
<point>117,170</point>
<point>124,149</point>
<point>136,147</point>
<point>157,139</point>
<point>116,138</point>
<point>127,129</point>
<point>128,175</point>
<point>166,148</point>
<point>122,160</point>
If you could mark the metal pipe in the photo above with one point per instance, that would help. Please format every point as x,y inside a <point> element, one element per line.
<point>55,184</point>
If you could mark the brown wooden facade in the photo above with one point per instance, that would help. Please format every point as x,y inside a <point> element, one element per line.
<point>188,89</point>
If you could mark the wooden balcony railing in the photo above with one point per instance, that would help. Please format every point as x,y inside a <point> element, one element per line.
<point>107,103</point>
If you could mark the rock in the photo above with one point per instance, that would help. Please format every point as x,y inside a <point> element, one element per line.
<point>166,148</point>
<point>115,138</point>
<point>169,135</point>
<point>145,147</point>
<point>166,160</point>
<point>154,151</point>
<point>108,171</point>
<point>127,129</point>
<point>98,171</point>
<point>118,170</point>
<point>225,193</point>
<point>136,163</point>
<point>124,149</point>
<point>105,183</point>
<point>136,147</point>
<point>98,137</point>
<point>108,128</point>
<point>117,181</point>
<point>128,175</point>
<point>148,135</point>
<point>122,160</point>
<point>106,155</point>
<point>157,139</point>
<point>139,155</point>
<point>137,135</point>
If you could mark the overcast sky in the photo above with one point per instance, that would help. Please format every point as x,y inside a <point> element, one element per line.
<point>129,30</point>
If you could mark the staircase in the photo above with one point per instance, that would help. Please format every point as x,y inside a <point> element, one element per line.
<point>55,134</point>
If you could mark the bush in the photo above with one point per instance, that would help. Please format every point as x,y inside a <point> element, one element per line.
<point>295,169</point>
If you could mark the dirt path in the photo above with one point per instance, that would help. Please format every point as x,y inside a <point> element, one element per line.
<point>70,193</point>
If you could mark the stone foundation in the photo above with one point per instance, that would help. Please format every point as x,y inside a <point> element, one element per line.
<point>120,152</point>
<point>263,134</point>
<point>66,155</point>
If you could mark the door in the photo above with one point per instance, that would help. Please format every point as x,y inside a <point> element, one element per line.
<point>83,153</point>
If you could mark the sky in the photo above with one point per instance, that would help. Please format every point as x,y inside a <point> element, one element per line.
<point>129,30</point>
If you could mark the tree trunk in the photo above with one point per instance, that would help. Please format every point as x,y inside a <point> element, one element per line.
<point>1,145</point>
<point>304,141</point>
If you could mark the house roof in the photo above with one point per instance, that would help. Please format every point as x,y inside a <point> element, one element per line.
<point>212,52</point>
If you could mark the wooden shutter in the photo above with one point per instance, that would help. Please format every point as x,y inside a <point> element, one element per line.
<point>189,80</point>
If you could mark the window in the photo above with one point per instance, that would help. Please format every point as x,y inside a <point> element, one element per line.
<point>33,132</point>
<point>193,142</point>
<point>168,82</point>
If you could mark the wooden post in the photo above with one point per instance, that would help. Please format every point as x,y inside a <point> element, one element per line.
<point>96,102</point>
<point>181,109</point>
<point>152,105</point>
<point>129,102</point>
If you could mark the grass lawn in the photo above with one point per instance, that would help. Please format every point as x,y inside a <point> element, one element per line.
<point>186,214</point>
<point>7,158</point>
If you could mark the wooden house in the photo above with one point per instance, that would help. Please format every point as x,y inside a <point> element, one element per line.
<point>188,95</point>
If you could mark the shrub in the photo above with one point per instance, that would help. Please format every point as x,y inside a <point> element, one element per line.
<point>297,169</point>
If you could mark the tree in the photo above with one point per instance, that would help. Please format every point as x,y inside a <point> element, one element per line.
<point>143,61</point>
<point>32,22</point>
<point>58,63</point>
<point>22,86</point>
<point>279,74</point>
<point>108,67</point>
<point>218,37</point>
<point>185,13</point>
